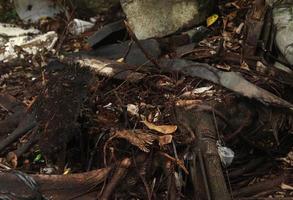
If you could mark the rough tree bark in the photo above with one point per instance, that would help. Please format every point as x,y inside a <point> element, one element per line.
<point>200,125</point>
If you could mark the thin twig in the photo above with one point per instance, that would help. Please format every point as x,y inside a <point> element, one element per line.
<point>23,127</point>
<point>143,181</point>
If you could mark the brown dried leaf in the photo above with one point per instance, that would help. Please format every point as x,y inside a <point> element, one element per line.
<point>12,159</point>
<point>245,66</point>
<point>165,129</point>
<point>231,16</point>
<point>137,138</point>
<point>166,139</point>
<point>180,163</point>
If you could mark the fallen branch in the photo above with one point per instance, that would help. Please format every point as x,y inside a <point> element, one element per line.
<point>253,164</point>
<point>201,124</point>
<point>33,139</point>
<point>10,123</point>
<point>230,80</point>
<point>52,186</point>
<point>268,198</point>
<point>119,174</point>
<point>107,68</point>
<point>169,172</point>
<point>27,124</point>
<point>259,187</point>
<point>10,103</point>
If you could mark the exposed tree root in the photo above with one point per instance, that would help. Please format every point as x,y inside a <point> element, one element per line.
<point>53,186</point>
<point>117,177</point>
<point>201,124</point>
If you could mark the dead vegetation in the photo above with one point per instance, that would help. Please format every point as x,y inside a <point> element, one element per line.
<point>150,119</point>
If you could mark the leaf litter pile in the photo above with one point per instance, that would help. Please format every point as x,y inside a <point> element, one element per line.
<point>153,119</point>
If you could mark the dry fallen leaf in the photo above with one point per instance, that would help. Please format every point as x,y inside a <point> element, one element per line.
<point>120,60</point>
<point>180,163</point>
<point>12,159</point>
<point>165,139</point>
<point>165,129</point>
<point>137,138</point>
<point>142,139</point>
<point>133,109</point>
<point>286,187</point>
<point>245,66</point>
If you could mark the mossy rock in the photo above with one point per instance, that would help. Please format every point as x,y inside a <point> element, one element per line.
<point>153,18</point>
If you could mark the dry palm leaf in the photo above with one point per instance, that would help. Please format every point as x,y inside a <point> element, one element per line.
<point>137,138</point>
<point>165,129</point>
<point>141,139</point>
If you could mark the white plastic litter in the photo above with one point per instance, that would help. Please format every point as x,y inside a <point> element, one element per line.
<point>226,155</point>
<point>78,26</point>
<point>202,89</point>
<point>10,30</point>
<point>207,91</point>
<point>133,109</point>
<point>29,41</point>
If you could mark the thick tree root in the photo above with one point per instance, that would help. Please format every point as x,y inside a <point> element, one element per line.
<point>119,174</point>
<point>202,126</point>
<point>259,187</point>
<point>79,186</point>
<point>26,125</point>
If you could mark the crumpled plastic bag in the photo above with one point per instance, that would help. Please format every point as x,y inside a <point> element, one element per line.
<point>226,155</point>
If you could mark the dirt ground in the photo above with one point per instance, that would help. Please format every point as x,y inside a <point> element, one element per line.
<point>83,134</point>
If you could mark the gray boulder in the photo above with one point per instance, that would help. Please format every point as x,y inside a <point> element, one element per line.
<point>158,18</point>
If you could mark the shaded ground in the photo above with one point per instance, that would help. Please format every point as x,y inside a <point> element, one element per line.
<point>87,122</point>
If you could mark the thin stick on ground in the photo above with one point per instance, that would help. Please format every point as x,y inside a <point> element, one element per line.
<point>26,125</point>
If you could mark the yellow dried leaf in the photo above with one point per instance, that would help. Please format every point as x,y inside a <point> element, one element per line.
<point>212,19</point>
<point>67,171</point>
<point>165,129</point>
